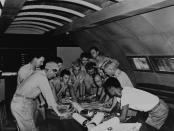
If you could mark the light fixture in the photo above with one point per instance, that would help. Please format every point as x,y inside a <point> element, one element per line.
<point>2,2</point>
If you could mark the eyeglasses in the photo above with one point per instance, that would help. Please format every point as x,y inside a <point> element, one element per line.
<point>55,70</point>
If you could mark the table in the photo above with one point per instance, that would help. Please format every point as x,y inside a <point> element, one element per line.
<point>53,123</point>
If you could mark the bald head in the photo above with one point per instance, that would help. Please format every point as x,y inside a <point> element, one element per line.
<point>51,69</point>
<point>52,66</point>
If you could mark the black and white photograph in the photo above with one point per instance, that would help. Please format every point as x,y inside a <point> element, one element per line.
<point>140,63</point>
<point>164,64</point>
<point>86,65</point>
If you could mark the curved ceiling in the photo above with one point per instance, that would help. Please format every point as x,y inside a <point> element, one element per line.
<point>55,17</point>
<point>43,16</point>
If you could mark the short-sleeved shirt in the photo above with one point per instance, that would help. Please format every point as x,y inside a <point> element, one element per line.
<point>123,78</point>
<point>36,84</point>
<point>24,72</point>
<point>138,99</point>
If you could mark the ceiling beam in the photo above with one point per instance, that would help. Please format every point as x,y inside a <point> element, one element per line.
<point>52,7</point>
<point>12,7</point>
<point>10,10</point>
<point>37,19</point>
<point>80,2</point>
<point>44,14</point>
<point>29,26</point>
<point>32,22</point>
<point>115,12</point>
<point>24,31</point>
<point>84,3</point>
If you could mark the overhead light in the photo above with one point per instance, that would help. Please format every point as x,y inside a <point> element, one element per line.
<point>2,2</point>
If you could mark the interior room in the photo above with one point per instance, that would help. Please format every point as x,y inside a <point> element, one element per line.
<point>120,43</point>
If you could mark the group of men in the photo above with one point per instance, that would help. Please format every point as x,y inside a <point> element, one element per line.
<point>32,82</point>
<point>90,78</point>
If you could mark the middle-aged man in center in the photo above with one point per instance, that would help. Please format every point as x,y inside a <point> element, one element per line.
<point>23,99</point>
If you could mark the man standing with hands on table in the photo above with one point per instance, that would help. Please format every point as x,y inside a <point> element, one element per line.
<point>23,99</point>
<point>138,100</point>
<point>36,61</point>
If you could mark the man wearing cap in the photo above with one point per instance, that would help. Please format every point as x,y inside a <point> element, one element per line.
<point>23,99</point>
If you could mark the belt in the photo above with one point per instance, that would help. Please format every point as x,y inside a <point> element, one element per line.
<point>18,95</point>
<point>155,106</point>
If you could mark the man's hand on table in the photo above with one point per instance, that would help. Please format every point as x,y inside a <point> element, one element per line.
<point>64,115</point>
<point>104,109</point>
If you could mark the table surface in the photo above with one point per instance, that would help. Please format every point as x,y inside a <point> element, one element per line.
<point>53,123</point>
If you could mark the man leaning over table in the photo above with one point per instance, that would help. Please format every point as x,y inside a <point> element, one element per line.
<point>23,99</point>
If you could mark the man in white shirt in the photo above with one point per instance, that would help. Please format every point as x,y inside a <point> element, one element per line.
<point>23,99</point>
<point>139,100</point>
<point>26,70</point>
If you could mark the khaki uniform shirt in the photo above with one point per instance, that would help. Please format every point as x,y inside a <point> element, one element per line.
<point>24,72</point>
<point>36,84</point>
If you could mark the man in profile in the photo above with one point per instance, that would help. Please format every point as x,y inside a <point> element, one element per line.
<point>22,105</point>
<point>35,62</point>
<point>139,100</point>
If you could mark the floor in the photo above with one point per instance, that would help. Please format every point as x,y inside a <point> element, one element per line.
<point>53,124</point>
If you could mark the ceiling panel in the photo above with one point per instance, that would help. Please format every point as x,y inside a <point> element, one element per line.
<point>24,30</point>
<point>48,15</point>
<point>32,23</point>
<point>56,17</point>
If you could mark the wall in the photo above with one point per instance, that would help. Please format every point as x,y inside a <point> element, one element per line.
<point>2,89</point>
<point>149,34</point>
<point>69,54</point>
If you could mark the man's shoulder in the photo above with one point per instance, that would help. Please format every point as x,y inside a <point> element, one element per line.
<point>128,90</point>
<point>24,67</point>
<point>39,74</point>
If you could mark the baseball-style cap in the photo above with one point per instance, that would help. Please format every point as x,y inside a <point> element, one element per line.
<point>51,65</point>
